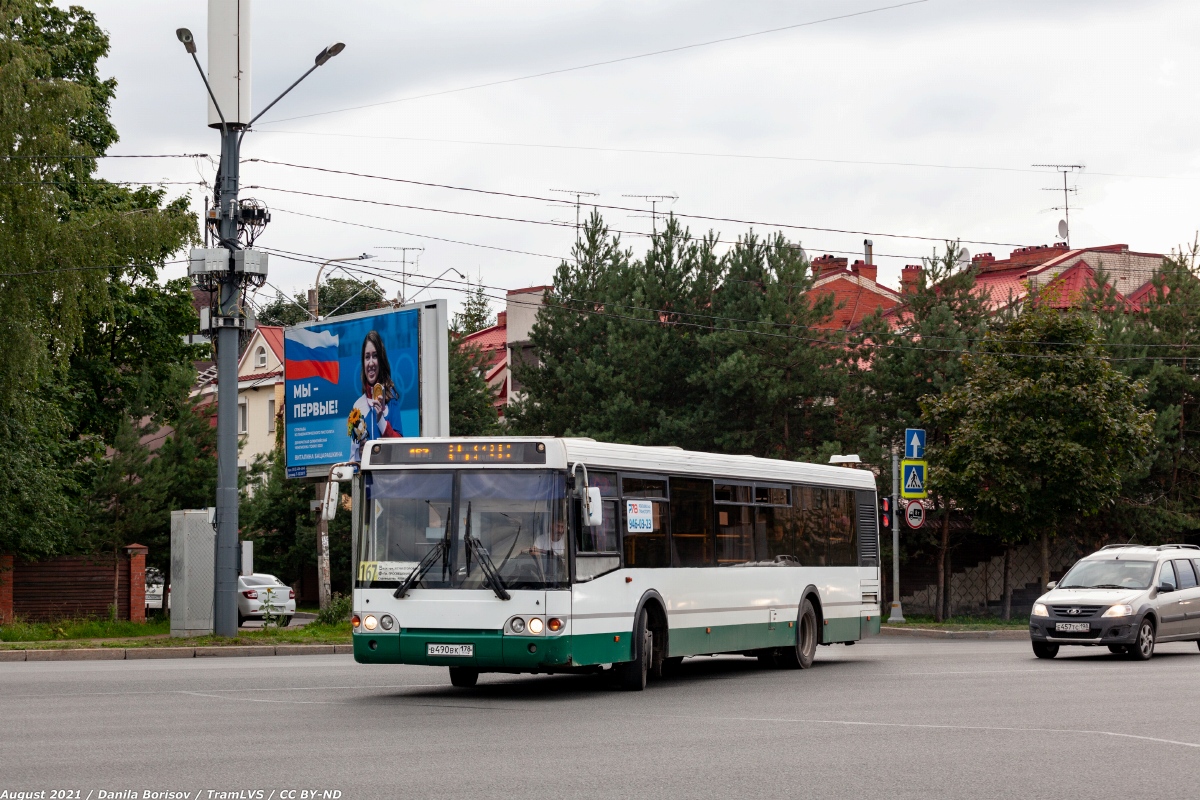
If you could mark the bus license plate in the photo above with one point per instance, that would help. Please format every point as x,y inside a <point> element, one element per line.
<point>462,650</point>
<point>1072,627</point>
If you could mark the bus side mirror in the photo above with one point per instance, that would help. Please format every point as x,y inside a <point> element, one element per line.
<point>343,472</point>
<point>594,508</point>
<point>332,496</point>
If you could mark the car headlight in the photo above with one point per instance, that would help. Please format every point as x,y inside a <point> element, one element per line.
<point>370,622</point>
<point>1123,610</point>
<point>1040,610</point>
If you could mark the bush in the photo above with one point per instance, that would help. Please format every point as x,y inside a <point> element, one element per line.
<point>338,610</point>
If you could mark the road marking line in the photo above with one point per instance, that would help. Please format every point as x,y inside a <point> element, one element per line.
<point>929,726</point>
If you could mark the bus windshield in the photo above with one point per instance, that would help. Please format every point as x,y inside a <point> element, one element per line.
<point>518,517</point>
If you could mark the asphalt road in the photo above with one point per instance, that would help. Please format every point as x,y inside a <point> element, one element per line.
<point>885,719</point>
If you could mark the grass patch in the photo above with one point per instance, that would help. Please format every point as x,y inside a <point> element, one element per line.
<point>68,629</point>
<point>158,635</point>
<point>963,623</point>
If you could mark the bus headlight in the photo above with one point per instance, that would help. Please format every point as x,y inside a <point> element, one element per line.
<point>517,625</point>
<point>555,624</point>
<point>369,622</point>
<point>386,622</point>
<point>536,625</point>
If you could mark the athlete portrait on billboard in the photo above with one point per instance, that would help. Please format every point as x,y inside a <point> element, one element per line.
<point>379,406</point>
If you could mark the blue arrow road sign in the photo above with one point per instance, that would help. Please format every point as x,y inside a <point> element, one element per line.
<point>914,443</point>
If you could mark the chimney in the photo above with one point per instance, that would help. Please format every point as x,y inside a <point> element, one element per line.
<point>824,265</point>
<point>865,269</point>
<point>868,251</point>
<point>909,278</point>
<point>983,260</point>
<point>502,319</point>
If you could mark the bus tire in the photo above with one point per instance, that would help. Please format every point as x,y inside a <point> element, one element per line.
<point>463,677</point>
<point>631,675</point>
<point>800,655</point>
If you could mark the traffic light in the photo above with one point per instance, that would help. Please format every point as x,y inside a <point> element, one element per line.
<point>885,513</point>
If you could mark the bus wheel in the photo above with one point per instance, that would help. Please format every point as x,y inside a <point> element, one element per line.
<point>801,655</point>
<point>632,675</point>
<point>464,677</point>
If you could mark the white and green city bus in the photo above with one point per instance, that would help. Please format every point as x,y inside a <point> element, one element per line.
<point>546,555</point>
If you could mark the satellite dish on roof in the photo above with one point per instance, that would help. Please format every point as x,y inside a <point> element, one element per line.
<point>803,255</point>
<point>1062,229</point>
<point>964,256</point>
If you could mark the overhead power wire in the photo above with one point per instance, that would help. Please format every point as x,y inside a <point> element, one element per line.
<point>706,154</point>
<point>56,157</point>
<point>275,209</point>
<point>606,62</point>
<point>88,269</point>
<point>559,201</point>
<point>458,285</point>
<point>602,311</point>
<point>814,248</point>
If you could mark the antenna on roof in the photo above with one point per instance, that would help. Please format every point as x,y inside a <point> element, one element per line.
<point>1064,227</point>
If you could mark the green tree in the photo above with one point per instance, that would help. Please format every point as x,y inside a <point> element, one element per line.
<point>914,351</point>
<point>68,239</point>
<point>1043,429</point>
<point>476,313</point>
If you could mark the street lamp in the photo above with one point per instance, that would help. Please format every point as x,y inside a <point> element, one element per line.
<point>432,282</point>
<point>313,293</point>
<point>227,319</point>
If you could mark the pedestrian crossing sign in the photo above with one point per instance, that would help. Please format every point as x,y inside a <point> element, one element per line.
<point>912,483</point>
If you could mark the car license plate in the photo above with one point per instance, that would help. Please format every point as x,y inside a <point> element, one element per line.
<point>455,650</point>
<point>1072,627</point>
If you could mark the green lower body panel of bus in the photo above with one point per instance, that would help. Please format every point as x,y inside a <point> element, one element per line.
<point>491,650</point>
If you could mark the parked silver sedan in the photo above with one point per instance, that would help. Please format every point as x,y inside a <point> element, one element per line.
<point>260,594</point>
<point>1125,597</point>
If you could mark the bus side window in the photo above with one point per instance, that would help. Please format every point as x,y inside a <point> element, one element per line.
<point>692,522</point>
<point>735,534</point>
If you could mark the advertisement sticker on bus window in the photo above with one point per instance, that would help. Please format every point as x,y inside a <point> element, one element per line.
<point>639,516</point>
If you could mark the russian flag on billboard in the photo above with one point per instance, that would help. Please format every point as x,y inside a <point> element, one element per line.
<point>309,354</point>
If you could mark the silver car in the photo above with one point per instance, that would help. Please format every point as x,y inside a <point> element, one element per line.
<point>1125,597</point>
<point>260,595</point>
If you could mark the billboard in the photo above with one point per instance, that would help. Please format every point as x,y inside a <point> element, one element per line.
<point>376,375</point>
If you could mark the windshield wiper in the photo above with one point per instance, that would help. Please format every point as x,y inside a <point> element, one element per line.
<point>490,576</point>
<point>439,550</point>
<point>1108,586</point>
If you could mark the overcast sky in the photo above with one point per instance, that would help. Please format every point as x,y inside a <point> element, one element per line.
<point>922,120</point>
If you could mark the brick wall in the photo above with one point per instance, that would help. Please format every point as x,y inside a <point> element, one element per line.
<point>6,589</point>
<point>75,586</point>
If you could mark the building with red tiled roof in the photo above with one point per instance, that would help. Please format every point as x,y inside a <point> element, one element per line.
<point>856,292</point>
<point>260,392</point>
<point>1008,281</point>
<point>493,343</point>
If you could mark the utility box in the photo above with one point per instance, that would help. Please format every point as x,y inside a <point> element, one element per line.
<point>250,262</point>
<point>207,261</point>
<point>193,572</point>
<point>247,558</point>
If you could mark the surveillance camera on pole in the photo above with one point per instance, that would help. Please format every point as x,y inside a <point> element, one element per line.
<point>229,270</point>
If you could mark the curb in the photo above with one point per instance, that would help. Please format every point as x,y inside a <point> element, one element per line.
<point>142,653</point>
<point>933,633</point>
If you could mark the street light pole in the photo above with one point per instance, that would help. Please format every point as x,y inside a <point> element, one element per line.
<point>324,578</point>
<point>228,319</point>
<point>314,293</point>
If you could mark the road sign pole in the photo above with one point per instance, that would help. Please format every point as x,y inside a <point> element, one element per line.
<point>897,614</point>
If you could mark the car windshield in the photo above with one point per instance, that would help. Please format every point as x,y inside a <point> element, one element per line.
<point>518,519</point>
<point>1109,574</point>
